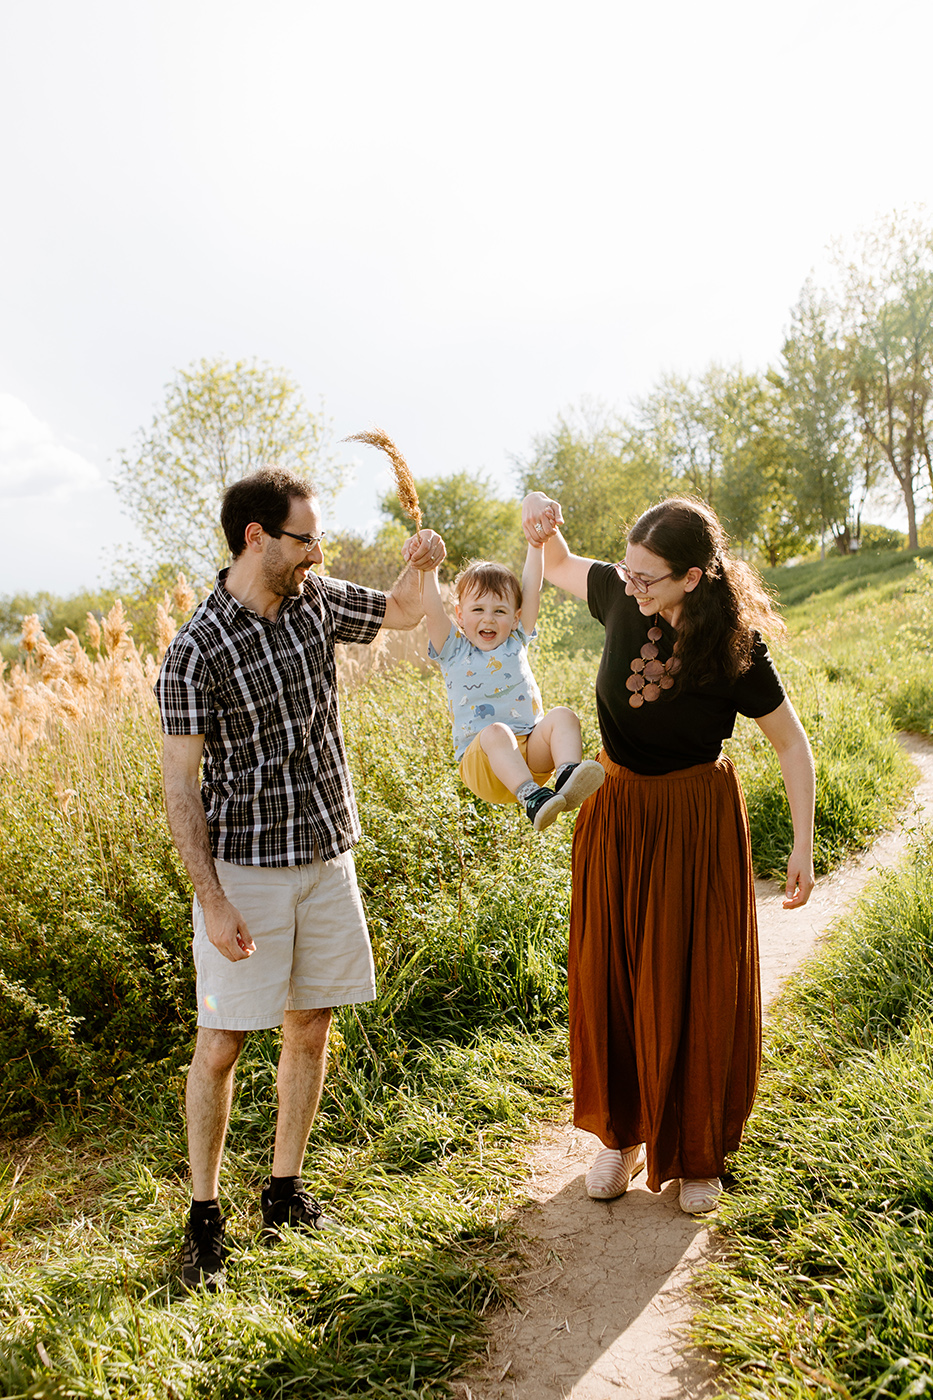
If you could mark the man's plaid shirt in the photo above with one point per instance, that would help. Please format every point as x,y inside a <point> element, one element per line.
<point>263,693</point>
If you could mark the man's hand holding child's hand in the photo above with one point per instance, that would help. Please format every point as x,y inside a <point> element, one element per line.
<point>424,551</point>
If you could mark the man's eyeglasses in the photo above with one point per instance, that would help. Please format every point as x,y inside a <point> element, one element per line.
<point>638,581</point>
<point>309,541</point>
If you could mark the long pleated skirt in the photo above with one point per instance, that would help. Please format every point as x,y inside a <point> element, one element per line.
<point>665,1004</point>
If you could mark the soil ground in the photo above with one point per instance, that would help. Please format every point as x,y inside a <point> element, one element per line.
<point>603,1306</point>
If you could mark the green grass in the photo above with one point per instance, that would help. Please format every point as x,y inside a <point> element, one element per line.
<point>388,1306</point>
<point>828,1232</point>
<point>432,1091</point>
<point>827,585</point>
<point>868,621</point>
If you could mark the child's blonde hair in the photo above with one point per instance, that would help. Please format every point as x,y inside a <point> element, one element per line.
<point>483,576</point>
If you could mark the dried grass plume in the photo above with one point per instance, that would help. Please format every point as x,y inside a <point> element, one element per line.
<point>404,481</point>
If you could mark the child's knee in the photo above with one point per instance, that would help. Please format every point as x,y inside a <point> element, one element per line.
<point>496,736</point>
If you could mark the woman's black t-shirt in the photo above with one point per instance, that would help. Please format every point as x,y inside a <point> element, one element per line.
<point>681,728</point>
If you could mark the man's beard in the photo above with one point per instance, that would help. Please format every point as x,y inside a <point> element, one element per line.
<point>280,578</point>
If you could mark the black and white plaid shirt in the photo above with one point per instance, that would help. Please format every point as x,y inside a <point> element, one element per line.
<point>263,693</point>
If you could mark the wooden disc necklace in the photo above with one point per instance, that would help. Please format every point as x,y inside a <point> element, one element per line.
<point>649,675</point>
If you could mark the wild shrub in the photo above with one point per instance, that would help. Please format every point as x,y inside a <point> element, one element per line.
<point>467,906</point>
<point>862,775</point>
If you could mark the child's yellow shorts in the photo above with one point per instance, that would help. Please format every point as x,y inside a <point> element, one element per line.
<point>476,773</point>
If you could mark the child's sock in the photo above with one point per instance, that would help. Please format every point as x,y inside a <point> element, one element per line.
<point>525,791</point>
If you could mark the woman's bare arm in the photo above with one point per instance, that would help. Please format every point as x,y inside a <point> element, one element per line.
<point>783,729</point>
<point>541,519</point>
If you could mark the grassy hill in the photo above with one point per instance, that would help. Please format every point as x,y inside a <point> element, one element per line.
<point>810,591</point>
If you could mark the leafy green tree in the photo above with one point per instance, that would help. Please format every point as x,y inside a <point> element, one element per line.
<point>373,563</point>
<point>719,436</point>
<point>220,421</point>
<point>685,419</point>
<point>830,474</point>
<point>602,471</point>
<point>474,523</point>
<point>55,614</point>
<point>886,307</point>
<point>757,498</point>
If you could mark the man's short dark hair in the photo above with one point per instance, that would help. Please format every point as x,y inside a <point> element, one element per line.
<point>264,496</point>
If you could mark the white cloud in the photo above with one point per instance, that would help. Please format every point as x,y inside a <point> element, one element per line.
<point>34,463</point>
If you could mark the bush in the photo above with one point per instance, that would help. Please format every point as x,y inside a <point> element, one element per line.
<point>881,537</point>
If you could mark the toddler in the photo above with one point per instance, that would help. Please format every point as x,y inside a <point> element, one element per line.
<point>507,747</point>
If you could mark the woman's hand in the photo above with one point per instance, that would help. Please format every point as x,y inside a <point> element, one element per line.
<point>541,518</point>
<point>800,879</point>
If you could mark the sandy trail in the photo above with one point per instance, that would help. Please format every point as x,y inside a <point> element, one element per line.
<point>604,1305</point>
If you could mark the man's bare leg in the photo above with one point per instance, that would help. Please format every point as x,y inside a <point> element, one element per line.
<point>208,1096</point>
<point>300,1080</point>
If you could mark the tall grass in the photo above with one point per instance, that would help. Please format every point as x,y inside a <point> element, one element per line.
<point>826,1284</point>
<point>871,629</point>
<point>430,1090</point>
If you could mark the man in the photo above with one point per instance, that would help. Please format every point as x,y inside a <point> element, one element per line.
<point>249,685</point>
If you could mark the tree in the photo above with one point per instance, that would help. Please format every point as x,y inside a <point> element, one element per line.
<point>757,497</point>
<point>815,401</point>
<point>887,308</point>
<point>220,421</point>
<point>373,563</point>
<point>717,436</point>
<point>684,419</point>
<point>602,473</point>
<point>474,523</point>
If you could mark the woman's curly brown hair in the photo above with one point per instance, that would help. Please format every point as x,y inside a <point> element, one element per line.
<point>724,615</point>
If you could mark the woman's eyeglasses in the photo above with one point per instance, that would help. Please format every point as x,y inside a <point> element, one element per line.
<point>638,581</point>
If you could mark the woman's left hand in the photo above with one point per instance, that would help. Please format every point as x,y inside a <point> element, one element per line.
<point>541,518</point>
<point>800,880</point>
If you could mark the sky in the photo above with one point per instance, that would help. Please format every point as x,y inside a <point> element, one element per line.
<point>453,222</point>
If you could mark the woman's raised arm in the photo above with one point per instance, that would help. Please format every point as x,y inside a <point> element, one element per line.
<point>541,519</point>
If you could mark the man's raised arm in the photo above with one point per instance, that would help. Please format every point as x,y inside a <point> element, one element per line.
<point>405,604</point>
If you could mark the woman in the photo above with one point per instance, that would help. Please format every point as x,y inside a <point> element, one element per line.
<point>665,1019</point>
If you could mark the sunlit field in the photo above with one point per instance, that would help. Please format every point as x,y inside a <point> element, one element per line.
<point>432,1089</point>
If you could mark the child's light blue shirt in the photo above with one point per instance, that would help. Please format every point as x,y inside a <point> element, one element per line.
<point>488,687</point>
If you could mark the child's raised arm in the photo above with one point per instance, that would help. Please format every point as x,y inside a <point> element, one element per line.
<point>532,579</point>
<point>435,615</point>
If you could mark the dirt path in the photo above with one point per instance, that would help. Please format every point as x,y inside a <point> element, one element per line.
<point>604,1304</point>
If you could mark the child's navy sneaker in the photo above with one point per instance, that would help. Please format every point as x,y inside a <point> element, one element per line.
<point>543,806</point>
<point>578,783</point>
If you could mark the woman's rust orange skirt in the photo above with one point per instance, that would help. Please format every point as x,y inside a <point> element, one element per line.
<point>665,1007</point>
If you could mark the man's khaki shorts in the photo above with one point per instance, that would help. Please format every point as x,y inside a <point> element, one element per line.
<point>478,776</point>
<point>312,945</point>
